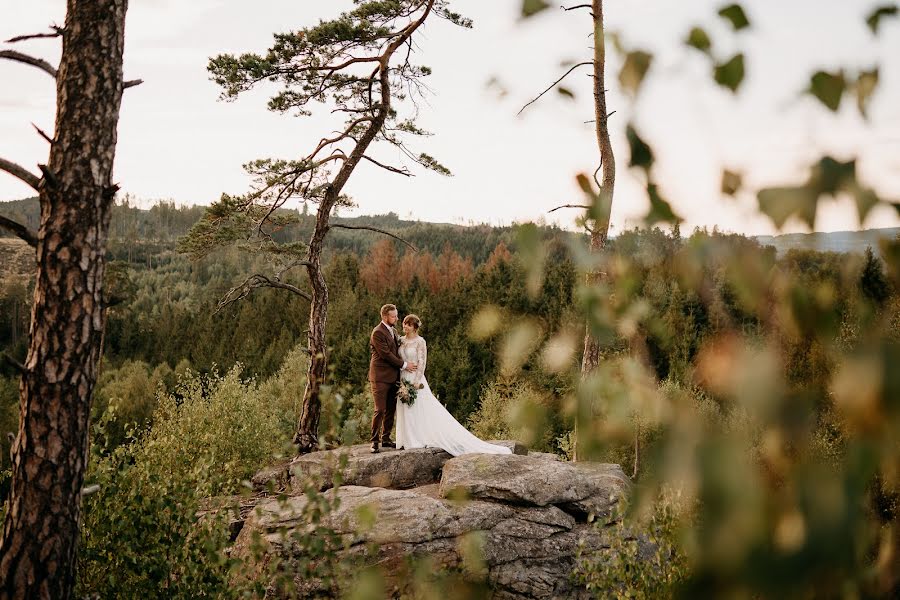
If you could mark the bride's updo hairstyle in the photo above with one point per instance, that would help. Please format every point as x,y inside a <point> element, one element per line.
<point>413,320</point>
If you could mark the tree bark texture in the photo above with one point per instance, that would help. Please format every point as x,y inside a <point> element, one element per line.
<point>50,453</point>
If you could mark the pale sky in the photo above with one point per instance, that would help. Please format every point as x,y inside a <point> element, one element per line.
<point>178,142</point>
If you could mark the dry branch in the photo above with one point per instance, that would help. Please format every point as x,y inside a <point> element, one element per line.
<point>405,172</point>
<point>375,229</point>
<point>19,230</point>
<point>20,172</point>
<point>57,32</point>
<point>585,207</point>
<point>46,67</point>
<point>39,63</point>
<point>554,84</point>
<point>254,282</point>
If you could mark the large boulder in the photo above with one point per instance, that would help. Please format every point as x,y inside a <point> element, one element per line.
<point>356,465</point>
<point>579,488</point>
<point>528,552</point>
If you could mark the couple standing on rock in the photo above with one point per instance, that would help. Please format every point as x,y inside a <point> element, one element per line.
<point>425,422</point>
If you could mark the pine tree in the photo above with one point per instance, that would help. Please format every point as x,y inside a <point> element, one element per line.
<point>359,65</point>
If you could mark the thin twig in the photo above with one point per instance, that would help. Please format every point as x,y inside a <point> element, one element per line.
<point>253,282</point>
<point>585,207</point>
<point>20,172</point>
<point>375,229</point>
<point>57,32</point>
<point>588,6</point>
<point>47,68</point>
<point>553,85</point>
<point>13,363</point>
<point>41,64</point>
<point>43,134</point>
<point>403,171</point>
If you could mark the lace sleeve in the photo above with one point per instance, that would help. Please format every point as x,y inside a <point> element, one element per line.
<point>421,358</point>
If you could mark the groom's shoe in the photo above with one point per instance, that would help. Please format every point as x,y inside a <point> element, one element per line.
<point>374,449</point>
<point>388,444</point>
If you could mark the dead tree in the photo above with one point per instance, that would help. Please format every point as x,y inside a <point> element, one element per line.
<point>76,193</point>
<point>597,214</point>
<point>359,66</point>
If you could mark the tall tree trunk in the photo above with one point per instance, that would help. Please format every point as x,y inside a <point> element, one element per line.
<point>50,453</point>
<point>307,436</point>
<point>600,229</point>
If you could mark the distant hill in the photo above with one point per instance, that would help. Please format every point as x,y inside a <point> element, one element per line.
<point>165,222</point>
<point>835,241</point>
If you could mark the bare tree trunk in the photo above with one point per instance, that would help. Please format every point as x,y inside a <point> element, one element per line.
<point>600,229</point>
<point>50,453</point>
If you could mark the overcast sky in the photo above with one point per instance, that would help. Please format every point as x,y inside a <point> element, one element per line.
<point>178,142</point>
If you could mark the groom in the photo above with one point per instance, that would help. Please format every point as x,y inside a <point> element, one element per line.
<point>384,374</point>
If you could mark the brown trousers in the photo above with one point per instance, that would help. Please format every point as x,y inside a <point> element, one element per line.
<point>385,408</point>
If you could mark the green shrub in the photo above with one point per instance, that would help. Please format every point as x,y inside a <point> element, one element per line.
<point>357,426</point>
<point>645,558</point>
<point>520,411</point>
<point>142,533</point>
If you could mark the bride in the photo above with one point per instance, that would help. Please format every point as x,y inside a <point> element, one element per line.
<point>427,423</point>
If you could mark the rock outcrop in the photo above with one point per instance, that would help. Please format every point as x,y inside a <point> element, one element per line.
<point>529,513</point>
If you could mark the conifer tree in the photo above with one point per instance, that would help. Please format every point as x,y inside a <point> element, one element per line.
<point>360,67</point>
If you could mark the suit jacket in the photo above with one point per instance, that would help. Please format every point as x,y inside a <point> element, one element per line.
<point>385,363</point>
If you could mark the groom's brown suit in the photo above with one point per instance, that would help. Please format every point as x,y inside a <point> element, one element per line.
<point>384,373</point>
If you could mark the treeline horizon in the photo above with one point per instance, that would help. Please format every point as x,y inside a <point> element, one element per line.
<point>167,318</point>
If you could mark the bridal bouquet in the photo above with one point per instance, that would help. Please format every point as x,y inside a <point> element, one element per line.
<point>407,393</point>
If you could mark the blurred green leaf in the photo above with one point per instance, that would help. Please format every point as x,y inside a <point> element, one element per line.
<point>699,39</point>
<point>485,323</point>
<point>866,199</point>
<point>828,88</point>
<point>531,248</point>
<point>518,345</point>
<point>865,86</point>
<point>731,182</point>
<point>830,176</point>
<point>641,153</point>
<point>660,210</point>
<point>781,203</point>
<point>565,92</point>
<point>634,69</point>
<point>533,7</point>
<point>874,19</point>
<point>730,74</point>
<point>735,14</point>
<point>616,40</point>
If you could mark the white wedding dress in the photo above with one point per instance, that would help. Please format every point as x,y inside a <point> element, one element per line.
<point>427,423</point>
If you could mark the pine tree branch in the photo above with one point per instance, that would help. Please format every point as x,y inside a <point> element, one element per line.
<point>43,134</point>
<point>41,64</point>
<point>375,229</point>
<point>554,84</point>
<point>20,172</point>
<point>19,230</point>
<point>13,363</point>
<point>254,282</point>
<point>569,206</point>
<point>405,172</point>
<point>46,67</point>
<point>57,32</point>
